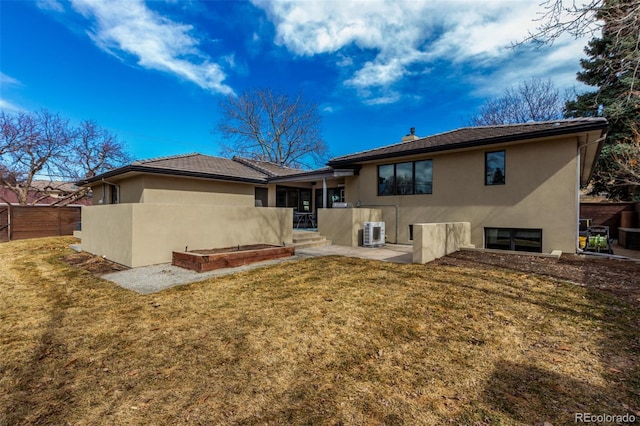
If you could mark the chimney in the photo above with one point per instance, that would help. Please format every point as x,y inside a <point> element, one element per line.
<point>411,136</point>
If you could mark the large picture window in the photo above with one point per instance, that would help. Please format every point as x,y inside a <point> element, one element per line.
<point>415,177</point>
<point>494,165</point>
<point>513,239</point>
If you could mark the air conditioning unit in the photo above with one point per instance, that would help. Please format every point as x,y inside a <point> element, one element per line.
<point>373,235</point>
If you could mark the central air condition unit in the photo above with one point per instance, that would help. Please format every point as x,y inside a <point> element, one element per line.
<point>373,235</point>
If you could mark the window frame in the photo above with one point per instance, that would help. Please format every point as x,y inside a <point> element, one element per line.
<point>394,178</point>
<point>504,168</point>
<point>512,239</point>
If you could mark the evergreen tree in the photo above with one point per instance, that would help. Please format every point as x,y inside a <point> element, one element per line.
<point>612,67</point>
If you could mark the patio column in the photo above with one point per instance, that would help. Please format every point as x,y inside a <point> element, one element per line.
<point>324,192</point>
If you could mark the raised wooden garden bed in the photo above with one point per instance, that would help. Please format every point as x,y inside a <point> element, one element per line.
<point>229,257</point>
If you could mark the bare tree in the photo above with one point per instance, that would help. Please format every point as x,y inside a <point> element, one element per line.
<point>32,142</point>
<point>618,19</point>
<point>271,126</point>
<point>43,144</point>
<point>94,150</point>
<point>533,100</point>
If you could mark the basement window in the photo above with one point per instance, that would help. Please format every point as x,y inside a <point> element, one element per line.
<point>529,240</point>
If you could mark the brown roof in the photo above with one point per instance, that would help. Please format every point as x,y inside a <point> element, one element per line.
<point>54,186</point>
<point>202,166</point>
<point>37,198</point>
<point>474,136</point>
<point>267,167</point>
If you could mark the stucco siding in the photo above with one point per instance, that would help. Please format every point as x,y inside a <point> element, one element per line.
<point>161,189</point>
<point>540,192</point>
<point>132,190</point>
<point>344,226</point>
<point>107,231</point>
<point>140,234</point>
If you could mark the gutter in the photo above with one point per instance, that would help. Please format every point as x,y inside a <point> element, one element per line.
<point>169,172</point>
<point>598,141</point>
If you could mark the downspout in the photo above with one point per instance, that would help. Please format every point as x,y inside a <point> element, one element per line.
<point>600,139</point>
<point>386,205</point>
<point>115,185</point>
<point>577,223</point>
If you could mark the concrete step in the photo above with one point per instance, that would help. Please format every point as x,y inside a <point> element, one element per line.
<point>316,243</point>
<point>305,239</point>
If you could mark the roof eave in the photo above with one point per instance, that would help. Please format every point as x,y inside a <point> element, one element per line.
<point>472,144</point>
<point>168,172</point>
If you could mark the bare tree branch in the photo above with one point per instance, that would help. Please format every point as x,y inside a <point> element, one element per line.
<point>270,126</point>
<point>43,143</point>
<point>619,20</point>
<point>533,100</point>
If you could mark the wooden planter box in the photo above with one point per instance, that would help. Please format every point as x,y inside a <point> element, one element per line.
<point>229,257</point>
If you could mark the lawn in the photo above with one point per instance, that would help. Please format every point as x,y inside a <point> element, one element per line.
<point>319,341</point>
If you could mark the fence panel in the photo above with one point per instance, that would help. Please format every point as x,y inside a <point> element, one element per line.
<point>39,221</point>
<point>4,224</point>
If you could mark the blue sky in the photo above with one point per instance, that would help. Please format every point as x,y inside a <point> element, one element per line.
<point>154,72</point>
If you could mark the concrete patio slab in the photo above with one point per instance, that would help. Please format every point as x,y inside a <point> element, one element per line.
<point>397,253</point>
<point>155,278</point>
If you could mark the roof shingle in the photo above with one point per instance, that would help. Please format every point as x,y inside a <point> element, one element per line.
<point>474,136</point>
<point>203,166</point>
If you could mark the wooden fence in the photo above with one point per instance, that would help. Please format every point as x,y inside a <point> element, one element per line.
<point>21,222</point>
<point>610,214</point>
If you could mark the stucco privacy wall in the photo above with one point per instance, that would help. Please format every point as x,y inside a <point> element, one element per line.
<point>146,234</point>
<point>178,190</point>
<point>540,192</point>
<point>434,240</point>
<point>107,231</point>
<point>344,226</point>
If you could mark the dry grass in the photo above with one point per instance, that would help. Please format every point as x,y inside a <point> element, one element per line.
<point>320,341</point>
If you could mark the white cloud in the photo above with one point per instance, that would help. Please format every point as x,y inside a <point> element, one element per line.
<point>400,36</point>
<point>53,5</point>
<point>8,80</point>
<point>7,106</point>
<point>158,43</point>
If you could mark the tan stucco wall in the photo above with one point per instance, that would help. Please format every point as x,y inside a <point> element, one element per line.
<point>161,189</point>
<point>145,234</point>
<point>178,190</point>
<point>107,231</point>
<point>344,226</point>
<point>434,240</point>
<point>540,192</point>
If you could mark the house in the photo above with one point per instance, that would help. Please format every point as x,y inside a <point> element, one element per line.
<point>516,186</point>
<point>143,211</point>
<point>46,193</point>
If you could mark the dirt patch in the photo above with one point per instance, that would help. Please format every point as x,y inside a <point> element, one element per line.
<point>619,277</point>
<point>94,264</point>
